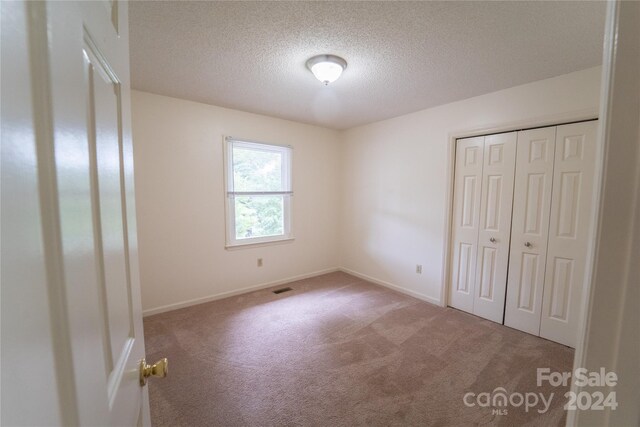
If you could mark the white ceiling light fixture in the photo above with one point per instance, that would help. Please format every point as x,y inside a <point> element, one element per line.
<point>326,68</point>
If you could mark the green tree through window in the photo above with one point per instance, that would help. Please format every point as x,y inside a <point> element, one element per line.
<point>259,190</point>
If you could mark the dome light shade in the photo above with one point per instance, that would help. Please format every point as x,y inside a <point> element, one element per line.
<point>326,68</point>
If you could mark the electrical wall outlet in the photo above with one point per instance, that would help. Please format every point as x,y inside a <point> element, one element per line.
<point>259,262</point>
<point>419,268</point>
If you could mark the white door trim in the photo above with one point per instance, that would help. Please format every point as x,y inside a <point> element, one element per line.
<point>610,332</point>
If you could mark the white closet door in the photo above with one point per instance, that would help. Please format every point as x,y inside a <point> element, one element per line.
<point>571,206</point>
<point>466,208</point>
<point>530,228</point>
<point>495,225</point>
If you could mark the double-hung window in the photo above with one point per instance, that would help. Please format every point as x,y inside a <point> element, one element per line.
<point>258,181</point>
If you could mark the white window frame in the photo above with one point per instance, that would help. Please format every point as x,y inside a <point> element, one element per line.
<point>230,193</point>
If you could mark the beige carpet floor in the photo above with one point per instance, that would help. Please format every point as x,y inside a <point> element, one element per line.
<point>339,351</point>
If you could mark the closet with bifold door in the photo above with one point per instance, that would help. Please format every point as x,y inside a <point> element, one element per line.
<point>522,209</point>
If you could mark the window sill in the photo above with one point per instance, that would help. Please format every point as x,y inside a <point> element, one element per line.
<point>257,244</point>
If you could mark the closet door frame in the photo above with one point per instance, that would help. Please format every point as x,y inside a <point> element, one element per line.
<point>507,126</point>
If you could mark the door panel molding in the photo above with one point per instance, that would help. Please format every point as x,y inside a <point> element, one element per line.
<point>73,111</point>
<point>466,220</point>
<point>572,201</point>
<point>495,231</point>
<point>530,228</point>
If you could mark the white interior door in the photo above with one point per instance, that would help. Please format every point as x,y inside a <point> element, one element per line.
<point>530,228</point>
<point>75,125</point>
<point>571,206</point>
<point>466,211</point>
<point>495,226</point>
<point>28,363</point>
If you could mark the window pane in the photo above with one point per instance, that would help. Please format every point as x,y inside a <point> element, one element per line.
<point>257,170</point>
<point>259,216</point>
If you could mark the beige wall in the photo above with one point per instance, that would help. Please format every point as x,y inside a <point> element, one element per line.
<point>180,201</point>
<point>371,200</point>
<point>395,178</point>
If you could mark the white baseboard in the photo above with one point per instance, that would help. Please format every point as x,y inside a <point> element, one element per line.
<point>396,288</point>
<point>196,301</point>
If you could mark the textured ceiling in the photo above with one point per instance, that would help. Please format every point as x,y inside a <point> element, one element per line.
<point>402,56</point>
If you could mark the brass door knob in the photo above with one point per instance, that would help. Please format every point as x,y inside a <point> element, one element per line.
<point>158,369</point>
